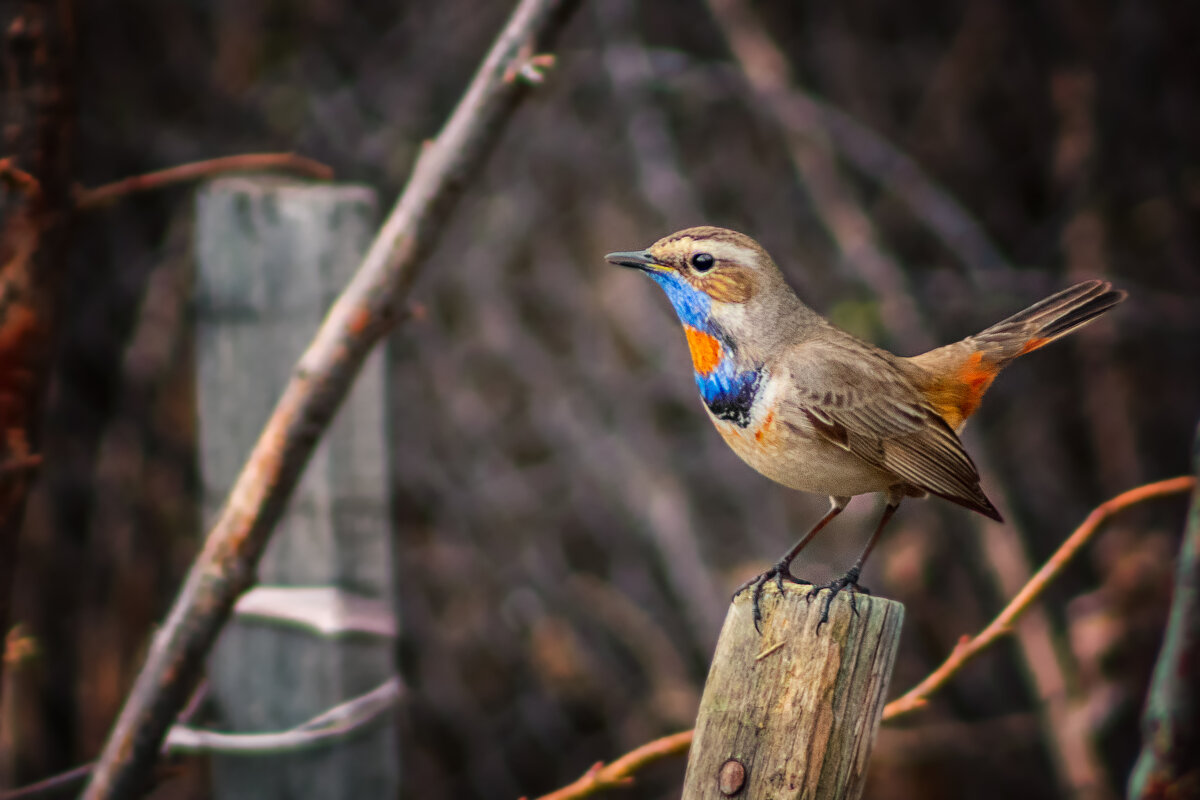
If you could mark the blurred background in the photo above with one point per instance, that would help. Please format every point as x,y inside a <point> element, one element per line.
<point>568,527</point>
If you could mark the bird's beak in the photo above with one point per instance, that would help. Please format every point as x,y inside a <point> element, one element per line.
<point>639,259</point>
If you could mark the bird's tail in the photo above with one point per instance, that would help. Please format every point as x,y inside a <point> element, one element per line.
<point>1042,323</point>
<point>955,377</point>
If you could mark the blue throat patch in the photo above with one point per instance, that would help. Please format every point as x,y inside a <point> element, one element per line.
<point>692,305</point>
<point>729,395</point>
<point>728,391</point>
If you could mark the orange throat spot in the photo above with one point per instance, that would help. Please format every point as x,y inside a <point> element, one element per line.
<point>706,349</point>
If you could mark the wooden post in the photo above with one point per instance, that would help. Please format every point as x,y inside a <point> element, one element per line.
<point>271,256</point>
<point>793,712</point>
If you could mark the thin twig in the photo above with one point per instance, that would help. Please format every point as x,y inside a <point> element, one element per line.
<point>620,772</point>
<point>87,199</point>
<point>51,784</point>
<point>54,783</point>
<point>331,724</point>
<point>368,308</point>
<point>968,648</point>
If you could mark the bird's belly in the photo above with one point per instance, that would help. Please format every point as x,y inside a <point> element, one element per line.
<point>798,458</point>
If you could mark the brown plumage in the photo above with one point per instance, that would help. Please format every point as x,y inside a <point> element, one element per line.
<point>818,409</point>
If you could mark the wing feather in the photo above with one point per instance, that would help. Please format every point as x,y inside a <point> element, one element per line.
<point>860,399</point>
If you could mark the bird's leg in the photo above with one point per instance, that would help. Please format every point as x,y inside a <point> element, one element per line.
<point>782,569</point>
<point>849,581</point>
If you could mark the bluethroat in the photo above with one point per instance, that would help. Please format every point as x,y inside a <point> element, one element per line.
<point>818,409</point>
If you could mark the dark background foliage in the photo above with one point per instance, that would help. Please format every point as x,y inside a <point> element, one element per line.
<point>568,527</point>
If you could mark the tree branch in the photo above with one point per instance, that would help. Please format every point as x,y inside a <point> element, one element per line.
<point>367,309</point>
<point>620,772</point>
<point>54,783</point>
<point>968,648</point>
<point>59,782</point>
<point>333,723</point>
<point>88,199</point>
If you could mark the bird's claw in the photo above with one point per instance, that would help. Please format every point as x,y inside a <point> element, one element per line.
<point>779,573</point>
<point>849,582</point>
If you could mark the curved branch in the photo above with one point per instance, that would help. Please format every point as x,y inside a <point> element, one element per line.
<point>968,648</point>
<point>55,783</point>
<point>334,723</point>
<point>620,772</point>
<point>88,199</point>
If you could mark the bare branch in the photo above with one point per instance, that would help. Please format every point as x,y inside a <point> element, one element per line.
<point>620,772</point>
<point>88,199</point>
<point>968,648</point>
<point>332,724</point>
<point>368,308</point>
<point>54,783</point>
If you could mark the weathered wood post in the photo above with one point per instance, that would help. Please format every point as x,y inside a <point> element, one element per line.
<point>793,712</point>
<point>318,629</point>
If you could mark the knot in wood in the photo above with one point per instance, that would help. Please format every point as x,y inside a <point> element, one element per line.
<point>731,778</point>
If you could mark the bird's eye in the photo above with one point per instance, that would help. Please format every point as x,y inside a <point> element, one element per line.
<point>703,262</point>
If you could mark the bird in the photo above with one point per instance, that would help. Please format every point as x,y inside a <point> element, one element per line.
<point>817,409</point>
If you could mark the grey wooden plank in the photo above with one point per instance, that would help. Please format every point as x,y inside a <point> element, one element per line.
<point>271,256</point>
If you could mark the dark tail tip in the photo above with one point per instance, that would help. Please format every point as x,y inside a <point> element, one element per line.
<point>1089,307</point>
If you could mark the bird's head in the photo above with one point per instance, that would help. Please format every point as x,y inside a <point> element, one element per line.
<point>711,275</point>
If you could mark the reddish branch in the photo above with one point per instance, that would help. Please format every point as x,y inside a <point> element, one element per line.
<point>968,648</point>
<point>87,199</point>
<point>55,783</point>
<point>621,771</point>
<point>366,310</point>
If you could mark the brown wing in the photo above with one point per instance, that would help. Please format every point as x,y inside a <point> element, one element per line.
<point>857,397</point>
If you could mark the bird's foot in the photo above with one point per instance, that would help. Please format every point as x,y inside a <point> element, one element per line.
<point>848,582</point>
<point>779,573</point>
